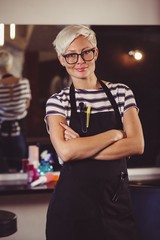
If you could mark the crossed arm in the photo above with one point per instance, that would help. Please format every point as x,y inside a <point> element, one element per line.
<point>109,145</point>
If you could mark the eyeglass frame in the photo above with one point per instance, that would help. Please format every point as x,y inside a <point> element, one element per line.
<point>80,54</point>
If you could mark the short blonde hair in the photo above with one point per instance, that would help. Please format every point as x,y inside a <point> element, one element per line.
<point>6,59</point>
<point>68,34</point>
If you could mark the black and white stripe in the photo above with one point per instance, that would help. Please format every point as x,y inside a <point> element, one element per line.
<point>13,100</point>
<point>59,103</point>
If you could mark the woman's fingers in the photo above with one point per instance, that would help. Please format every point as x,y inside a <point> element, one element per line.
<point>69,133</point>
<point>69,136</point>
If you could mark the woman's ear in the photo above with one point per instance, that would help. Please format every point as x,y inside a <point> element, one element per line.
<point>96,54</point>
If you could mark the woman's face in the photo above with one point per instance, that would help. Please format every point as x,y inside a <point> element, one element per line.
<point>81,69</point>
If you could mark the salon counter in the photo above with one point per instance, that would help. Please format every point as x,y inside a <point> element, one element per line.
<point>17,183</point>
<point>20,189</point>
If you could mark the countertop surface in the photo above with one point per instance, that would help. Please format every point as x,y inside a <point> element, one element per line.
<point>26,188</point>
<point>48,188</point>
<point>17,184</point>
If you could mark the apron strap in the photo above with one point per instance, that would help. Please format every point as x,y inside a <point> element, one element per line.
<point>113,103</point>
<point>73,99</point>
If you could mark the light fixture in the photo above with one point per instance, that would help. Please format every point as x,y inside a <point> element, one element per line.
<point>1,34</point>
<point>136,54</point>
<point>12,31</point>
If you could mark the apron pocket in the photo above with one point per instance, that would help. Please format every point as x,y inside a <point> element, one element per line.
<point>123,176</point>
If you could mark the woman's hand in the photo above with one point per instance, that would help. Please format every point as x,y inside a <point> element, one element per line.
<point>69,133</point>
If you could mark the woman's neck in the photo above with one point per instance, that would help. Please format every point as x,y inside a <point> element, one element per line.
<point>86,83</point>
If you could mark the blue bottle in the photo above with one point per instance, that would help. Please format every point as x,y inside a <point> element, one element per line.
<point>45,163</point>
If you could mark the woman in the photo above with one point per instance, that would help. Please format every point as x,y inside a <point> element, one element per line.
<point>15,96</point>
<point>93,126</point>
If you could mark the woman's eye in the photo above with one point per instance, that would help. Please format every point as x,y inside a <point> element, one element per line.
<point>72,55</point>
<point>86,52</point>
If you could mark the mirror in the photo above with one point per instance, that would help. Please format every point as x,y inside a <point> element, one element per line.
<point>116,63</point>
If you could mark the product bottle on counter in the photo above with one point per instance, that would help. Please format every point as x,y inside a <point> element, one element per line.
<point>45,163</point>
<point>30,172</point>
<point>33,155</point>
<point>33,158</point>
<point>45,167</point>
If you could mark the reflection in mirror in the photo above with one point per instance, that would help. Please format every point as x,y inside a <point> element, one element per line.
<point>30,59</point>
<point>117,47</point>
<point>15,96</point>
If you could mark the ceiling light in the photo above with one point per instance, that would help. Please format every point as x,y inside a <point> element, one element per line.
<point>1,34</point>
<point>136,54</point>
<point>12,31</point>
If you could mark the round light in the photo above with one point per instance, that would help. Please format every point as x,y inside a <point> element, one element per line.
<point>138,55</point>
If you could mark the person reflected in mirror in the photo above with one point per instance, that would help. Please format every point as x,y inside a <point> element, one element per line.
<point>15,96</point>
<point>94,127</point>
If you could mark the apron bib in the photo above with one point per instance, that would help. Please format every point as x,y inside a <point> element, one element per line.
<point>92,200</point>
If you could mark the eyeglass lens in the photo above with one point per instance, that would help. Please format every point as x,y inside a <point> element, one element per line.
<point>86,55</point>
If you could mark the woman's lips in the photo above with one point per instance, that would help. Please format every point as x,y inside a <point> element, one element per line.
<point>80,69</point>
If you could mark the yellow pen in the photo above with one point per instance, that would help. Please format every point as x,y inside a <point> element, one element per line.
<point>88,116</point>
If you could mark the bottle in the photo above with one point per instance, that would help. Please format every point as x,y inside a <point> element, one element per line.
<point>45,163</point>
<point>43,179</point>
<point>33,155</point>
<point>30,173</point>
<point>44,167</point>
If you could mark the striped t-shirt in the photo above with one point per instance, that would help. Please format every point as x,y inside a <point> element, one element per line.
<point>59,103</point>
<point>13,98</point>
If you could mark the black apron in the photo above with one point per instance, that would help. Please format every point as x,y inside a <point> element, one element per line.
<point>91,199</point>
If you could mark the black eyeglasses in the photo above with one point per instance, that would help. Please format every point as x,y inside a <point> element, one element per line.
<point>87,55</point>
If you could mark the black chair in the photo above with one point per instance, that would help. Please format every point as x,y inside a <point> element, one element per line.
<point>8,223</point>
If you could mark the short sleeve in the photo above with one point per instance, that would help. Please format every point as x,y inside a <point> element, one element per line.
<point>129,99</point>
<point>54,106</point>
<point>124,97</point>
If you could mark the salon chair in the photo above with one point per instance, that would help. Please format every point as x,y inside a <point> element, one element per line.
<point>8,223</point>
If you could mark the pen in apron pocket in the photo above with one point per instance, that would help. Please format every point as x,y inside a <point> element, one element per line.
<point>88,116</point>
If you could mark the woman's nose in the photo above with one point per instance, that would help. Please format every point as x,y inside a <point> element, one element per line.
<point>80,59</point>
